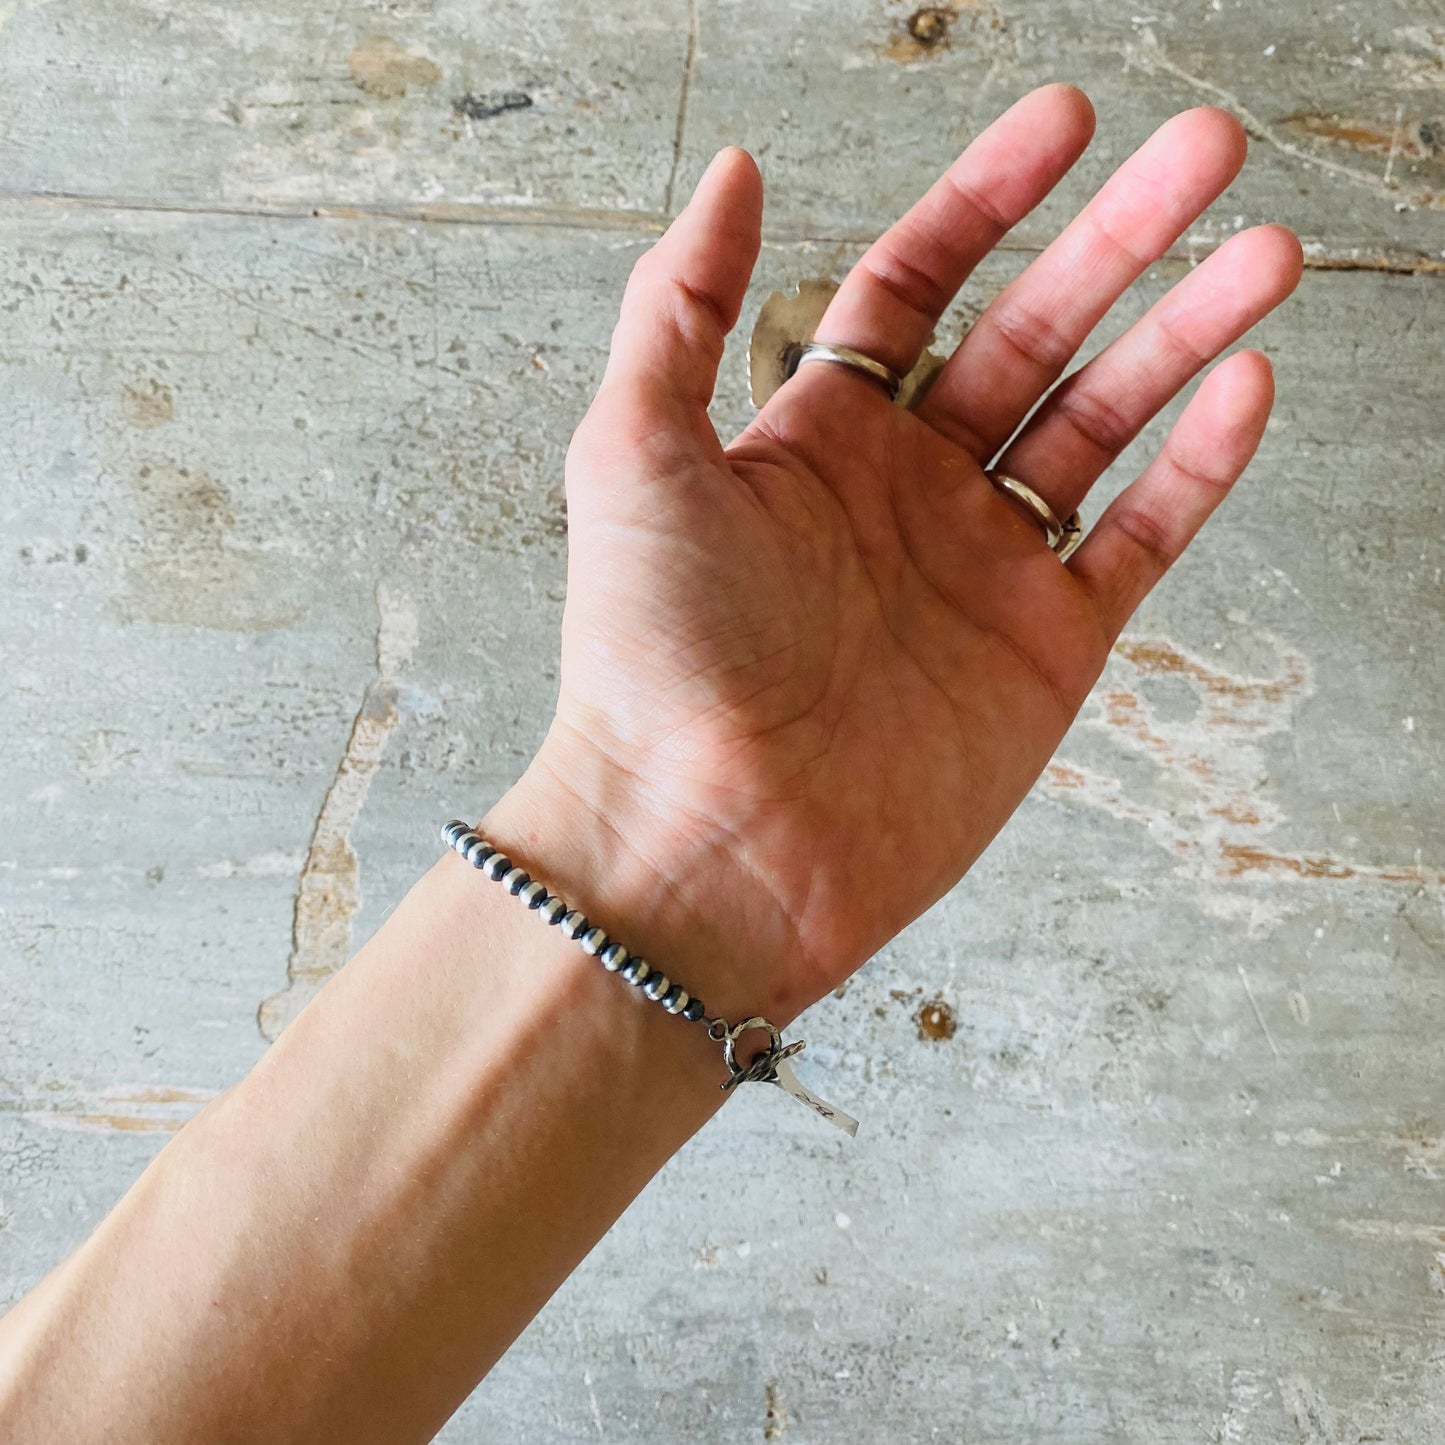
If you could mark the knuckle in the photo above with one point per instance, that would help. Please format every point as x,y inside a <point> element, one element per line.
<point>1097,421</point>
<point>1147,534</point>
<point>912,284</point>
<point>1176,341</point>
<point>978,202</point>
<point>1198,473</point>
<point>1033,335</point>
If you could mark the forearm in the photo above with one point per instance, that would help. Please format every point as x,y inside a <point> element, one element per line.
<point>351,1237</point>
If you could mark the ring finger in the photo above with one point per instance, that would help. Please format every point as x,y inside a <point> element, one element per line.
<point>1085,422</point>
<point>1030,331</point>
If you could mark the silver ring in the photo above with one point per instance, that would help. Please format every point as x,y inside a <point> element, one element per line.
<point>796,356</point>
<point>1062,537</point>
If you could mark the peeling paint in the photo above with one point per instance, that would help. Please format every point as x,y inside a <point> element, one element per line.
<point>1221,812</point>
<point>144,1109</point>
<point>328,893</point>
<point>147,404</point>
<point>1246,1388</point>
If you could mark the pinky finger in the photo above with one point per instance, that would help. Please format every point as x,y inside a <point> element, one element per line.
<point>1149,524</point>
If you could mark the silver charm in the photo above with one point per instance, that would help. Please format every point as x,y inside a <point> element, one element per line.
<point>772,1067</point>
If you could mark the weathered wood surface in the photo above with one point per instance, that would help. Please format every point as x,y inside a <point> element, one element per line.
<point>1153,1143</point>
<point>459,109</point>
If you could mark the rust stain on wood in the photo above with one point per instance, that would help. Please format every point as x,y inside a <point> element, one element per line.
<point>936,1021</point>
<point>930,30</point>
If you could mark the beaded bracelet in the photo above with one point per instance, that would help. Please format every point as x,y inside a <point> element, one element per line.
<point>769,1067</point>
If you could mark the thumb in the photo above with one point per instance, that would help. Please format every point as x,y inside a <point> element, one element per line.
<point>684,294</point>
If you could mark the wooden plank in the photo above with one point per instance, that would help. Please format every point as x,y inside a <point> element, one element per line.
<point>1152,1131</point>
<point>584,112</point>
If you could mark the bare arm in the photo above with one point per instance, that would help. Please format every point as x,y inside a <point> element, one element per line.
<point>342,1245</point>
<point>805,679</point>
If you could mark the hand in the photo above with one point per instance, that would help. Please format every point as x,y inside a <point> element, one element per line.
<point>807,677</point>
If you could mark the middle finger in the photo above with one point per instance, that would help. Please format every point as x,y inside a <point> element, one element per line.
<point>1026,337</point>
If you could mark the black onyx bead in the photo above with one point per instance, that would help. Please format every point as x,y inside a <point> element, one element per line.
<point>694,1010</point>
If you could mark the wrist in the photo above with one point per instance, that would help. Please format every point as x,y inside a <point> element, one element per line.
<point>662,884</point>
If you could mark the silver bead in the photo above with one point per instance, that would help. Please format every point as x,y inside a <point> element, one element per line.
<point>454,831</point>
<point>533,894</point>
<point>635,970</point>
<point>613,957</point>
<point>477,850</point>
<point>515,879</point>
<point>573,924</point>
<point>496,866</point>
<point>675,999</point>
<point>694,1011</point>
<point>552,910</point>
<point>657,985</point>
<point>594,941</point>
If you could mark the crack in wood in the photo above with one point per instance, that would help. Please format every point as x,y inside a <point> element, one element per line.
<point>1321,253</point>
<point>689,64</point>
<point>328,893</point>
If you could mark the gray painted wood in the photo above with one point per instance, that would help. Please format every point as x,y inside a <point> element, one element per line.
<point>1152,1140</point>
<point>452,109</point>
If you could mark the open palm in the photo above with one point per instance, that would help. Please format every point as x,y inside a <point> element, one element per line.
<point>807,677</point>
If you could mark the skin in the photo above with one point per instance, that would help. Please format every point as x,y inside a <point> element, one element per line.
<point>806,677</point>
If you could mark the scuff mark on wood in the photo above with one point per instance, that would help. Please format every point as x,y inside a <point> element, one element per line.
<point>775,1417</point>
<point>1150,56</point>
<point>486,105</point>
<point>186,565</point>
<point>328,893</point>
